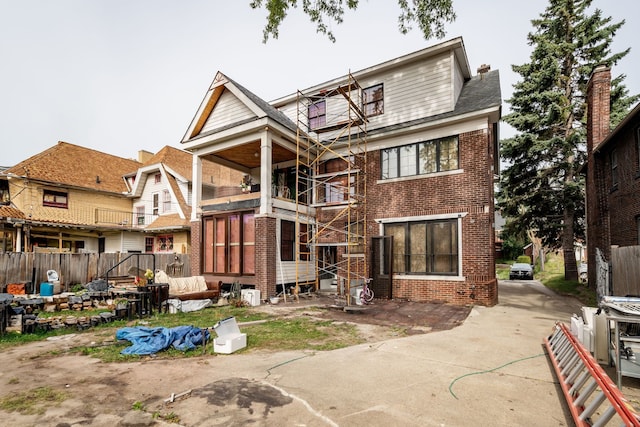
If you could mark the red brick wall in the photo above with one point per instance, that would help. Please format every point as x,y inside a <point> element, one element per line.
<point>598,112</point>
<point>265,255</point>
<point>470,192</point>
<point>196,247</point>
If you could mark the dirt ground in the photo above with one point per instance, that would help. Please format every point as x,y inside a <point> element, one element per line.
<point>103,394</point>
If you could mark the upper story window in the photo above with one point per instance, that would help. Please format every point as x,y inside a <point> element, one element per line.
<point>373,100</point>
<point>140,215</point>
<point>166,201</point>
<point>156,203</point>
<point>614,168</point>
<point>317,114</point>
<point>422,158</point>
<point>157,178</point>
<point>54,199</point>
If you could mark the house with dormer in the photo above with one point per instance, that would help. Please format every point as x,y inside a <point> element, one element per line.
<point>74,199</point>
<point>161,195</point>
<point>382,176</point>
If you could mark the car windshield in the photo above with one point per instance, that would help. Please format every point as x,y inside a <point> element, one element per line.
<point>521,265</point>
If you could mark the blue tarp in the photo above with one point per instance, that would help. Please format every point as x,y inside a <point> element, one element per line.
<point>146,340</point>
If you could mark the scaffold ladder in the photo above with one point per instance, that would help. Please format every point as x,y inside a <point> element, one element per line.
<point>593,398</point>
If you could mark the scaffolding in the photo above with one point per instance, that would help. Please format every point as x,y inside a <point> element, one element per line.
<point>331,171</point>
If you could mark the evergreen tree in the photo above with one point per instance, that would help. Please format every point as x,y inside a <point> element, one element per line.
<point>542,188</point>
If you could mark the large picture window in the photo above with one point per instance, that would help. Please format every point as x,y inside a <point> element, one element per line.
<point>427,157</point>
<point>425,247</point>
<point>229,244</point>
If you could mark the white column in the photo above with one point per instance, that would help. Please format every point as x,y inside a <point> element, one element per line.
<point>196,186</point>
<point>266,201</point>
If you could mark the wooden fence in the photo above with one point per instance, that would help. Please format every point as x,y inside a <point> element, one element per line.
<point>625,271</point>
<point>72,269</point>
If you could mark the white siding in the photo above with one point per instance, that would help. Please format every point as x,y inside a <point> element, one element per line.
<point>286,270</point>
<point>417,90</point>
<point>133,242</point>
<point>113,243</point>
<point>458,81</point>
<point>228,110</point>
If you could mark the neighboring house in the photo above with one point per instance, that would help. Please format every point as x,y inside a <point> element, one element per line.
<point>613,174</point>
<point>161,190</point>
<point>69,199</point>
<point>385,174</point>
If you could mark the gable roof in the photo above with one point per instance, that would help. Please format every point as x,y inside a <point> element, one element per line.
<point>75,166</point>
<point>259,108</point>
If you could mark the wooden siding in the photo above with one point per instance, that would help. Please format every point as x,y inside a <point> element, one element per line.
<point>625,270</point>
<point>19,267</point>
<point>228,110</point>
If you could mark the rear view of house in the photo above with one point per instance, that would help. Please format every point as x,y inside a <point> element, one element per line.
<point>383,175</point>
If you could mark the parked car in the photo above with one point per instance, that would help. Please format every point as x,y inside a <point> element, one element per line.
<point>521,270</point>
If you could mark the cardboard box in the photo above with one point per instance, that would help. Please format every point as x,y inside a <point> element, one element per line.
<point>229,339</point>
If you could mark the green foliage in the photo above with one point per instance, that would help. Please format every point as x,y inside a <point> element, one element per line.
<point>553,278</point>
<point>512,244</point>
<point>429,15</point>
<point>542,189</point>
<point>524,259</point>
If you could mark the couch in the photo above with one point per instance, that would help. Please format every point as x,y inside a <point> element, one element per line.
<point>189,288</point>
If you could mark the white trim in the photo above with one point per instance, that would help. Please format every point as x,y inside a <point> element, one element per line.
<point>420,176</point>
<point>435,217</point>
<point>426,277</point>
<point>422,218</point>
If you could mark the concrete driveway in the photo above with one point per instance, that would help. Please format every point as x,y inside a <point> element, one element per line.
<point>491,370</point>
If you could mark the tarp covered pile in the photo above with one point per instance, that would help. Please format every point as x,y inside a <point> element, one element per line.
<point>147,340</point>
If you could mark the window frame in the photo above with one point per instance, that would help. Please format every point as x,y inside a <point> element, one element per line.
<point>376,102</point>
<point>166,201</point>
<point>166,240</point>
<point>59,199</point>
<point>391,159</point>
<point>613,159</point>
<point>287,240</point>
<point>405,265</point>
<point>317,114</point>
<point>155,204</point>
<point>140,216</point>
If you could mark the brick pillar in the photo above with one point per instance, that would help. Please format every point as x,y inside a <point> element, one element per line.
<point>598,127</point>
<point>266,261</point>
<point>196,247</point>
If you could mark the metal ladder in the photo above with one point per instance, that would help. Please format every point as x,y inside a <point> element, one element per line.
<point>593,398</point>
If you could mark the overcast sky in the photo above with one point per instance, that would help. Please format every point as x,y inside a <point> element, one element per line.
<point>124,75</point>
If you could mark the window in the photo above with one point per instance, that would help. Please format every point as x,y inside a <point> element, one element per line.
<point>166,201</point>
<point>425,247</point>
<point>157,178</point>
<point>287,240</point>
<point>423,158</point>
<point>140,215</point>
<point>614,168</point>
<point>373,100</point>
<point>54,199</point>
<point>148,244</point>
<point>317,115</point>
<point>229,244</point>
<point>156,202</point>
<point>164,243</point>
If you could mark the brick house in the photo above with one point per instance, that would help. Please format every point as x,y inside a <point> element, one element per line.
<point>385,174</point>
<point>613,172</point>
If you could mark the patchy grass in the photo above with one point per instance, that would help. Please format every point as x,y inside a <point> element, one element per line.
<point>273,333</point>
<point>553,278</point>
<point>34,401</point>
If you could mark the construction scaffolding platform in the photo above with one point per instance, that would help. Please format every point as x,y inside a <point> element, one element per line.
<point>331,173</point>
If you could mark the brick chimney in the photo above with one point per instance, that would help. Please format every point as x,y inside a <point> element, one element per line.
<point>598,106</point>
<point>483,69</point>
